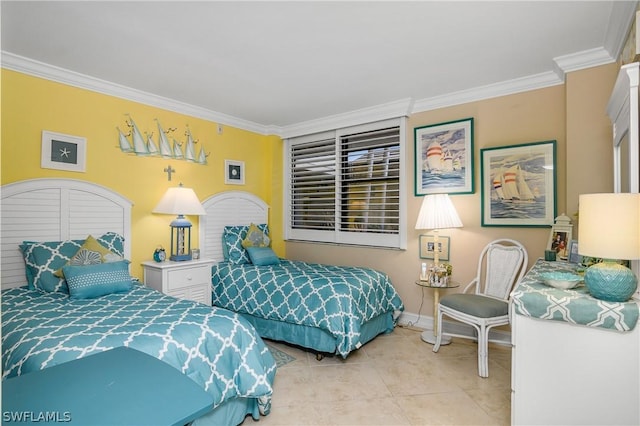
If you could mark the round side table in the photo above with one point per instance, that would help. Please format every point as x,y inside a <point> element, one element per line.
<point>429,336</point>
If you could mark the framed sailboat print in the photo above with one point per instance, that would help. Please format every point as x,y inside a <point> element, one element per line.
<point>519,185</point>
<point>444,158</point>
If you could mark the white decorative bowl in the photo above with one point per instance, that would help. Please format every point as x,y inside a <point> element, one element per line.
<point>561,280</point>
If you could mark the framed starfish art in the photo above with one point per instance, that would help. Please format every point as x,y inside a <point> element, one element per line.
<point>63,152</point>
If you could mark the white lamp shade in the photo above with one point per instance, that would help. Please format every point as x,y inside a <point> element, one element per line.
<point>437,212</point>
<point>180,201</point>
<point>609,226</point>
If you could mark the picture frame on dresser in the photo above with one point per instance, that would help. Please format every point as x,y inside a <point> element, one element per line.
<point>63,152</point>
<point>560,237</point>
<point>519,185</point>
<point>573,256</point>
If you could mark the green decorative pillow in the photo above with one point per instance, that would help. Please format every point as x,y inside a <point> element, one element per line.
<point>89,281</point>
<point>232,238</point>
<point>91,253</point>
<point>262,256</point>
<point>255,238</point>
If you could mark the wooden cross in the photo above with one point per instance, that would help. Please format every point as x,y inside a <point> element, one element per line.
<point>168,171</point>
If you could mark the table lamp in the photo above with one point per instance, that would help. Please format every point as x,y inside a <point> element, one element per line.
<point>609,228</point>
<point>180,201</point>
<point>436,212</point>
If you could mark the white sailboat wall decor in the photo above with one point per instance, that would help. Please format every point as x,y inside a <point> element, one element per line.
<point>177,150</point>
<point>189,151</point>
<point>151,145</point>
<point>202,157</point>
<point>163,142</point>
<point>139,145</point>
<point>134,143</point>
<point>123,142</point>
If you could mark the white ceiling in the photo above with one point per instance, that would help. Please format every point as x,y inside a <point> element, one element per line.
<point>275,65</point>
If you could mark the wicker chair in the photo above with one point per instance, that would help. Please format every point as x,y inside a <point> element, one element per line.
<point>502,263</point>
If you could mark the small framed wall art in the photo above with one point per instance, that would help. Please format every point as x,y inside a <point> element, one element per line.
<point>234,172</point>
<point>63,152</point>
<point>427,246</point>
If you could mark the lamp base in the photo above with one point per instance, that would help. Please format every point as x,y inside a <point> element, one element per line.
<point>610,281</point>
<point>180,257</point>
<point>427,336</point>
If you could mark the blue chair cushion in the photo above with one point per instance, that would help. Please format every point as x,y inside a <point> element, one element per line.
<point>476,305</point>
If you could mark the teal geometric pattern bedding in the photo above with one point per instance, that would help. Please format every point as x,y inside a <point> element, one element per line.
<point>336,299</point>
<point>216,348</point>
<point>533,298</point>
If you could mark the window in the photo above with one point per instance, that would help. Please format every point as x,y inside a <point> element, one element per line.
<point>345,186</point>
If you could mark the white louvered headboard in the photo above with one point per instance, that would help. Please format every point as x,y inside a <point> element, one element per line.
<point>228,208</point>
<point>56,210</point>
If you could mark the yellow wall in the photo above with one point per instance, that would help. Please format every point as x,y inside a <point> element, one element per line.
<point>31,105</point>
<point>573,114</point>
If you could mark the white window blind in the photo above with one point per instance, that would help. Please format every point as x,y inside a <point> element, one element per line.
<point>345,186</point>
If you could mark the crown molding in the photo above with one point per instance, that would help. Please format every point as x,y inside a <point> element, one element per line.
<point>28,66</point>
<point>504,88</point>
<point>395,109</point>
<point>622,16</point>
<point>585,59</point>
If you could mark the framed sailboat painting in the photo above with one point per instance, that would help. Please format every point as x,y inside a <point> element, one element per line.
<point>519,185</point>
<point>444,158</point>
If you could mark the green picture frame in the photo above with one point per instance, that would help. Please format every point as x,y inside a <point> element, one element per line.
<point>519,185</point>
<point>443,158</point>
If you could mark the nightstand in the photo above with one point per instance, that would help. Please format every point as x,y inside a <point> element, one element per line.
<point>189,279</point>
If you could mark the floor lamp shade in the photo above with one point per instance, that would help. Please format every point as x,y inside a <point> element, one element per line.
<point>180,201</point>
<point>609,228</point>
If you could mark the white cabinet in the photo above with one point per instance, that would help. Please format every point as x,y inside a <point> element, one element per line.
<point>184,280</point>
<point>565,374</point>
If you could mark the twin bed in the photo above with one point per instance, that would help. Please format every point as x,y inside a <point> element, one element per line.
<point>326,309</point>
<point>47,320</point>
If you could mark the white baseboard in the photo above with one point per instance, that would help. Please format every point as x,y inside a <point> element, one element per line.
<point>452,328</point>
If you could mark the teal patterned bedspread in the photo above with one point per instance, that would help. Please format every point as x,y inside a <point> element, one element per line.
<point>336,299</point>
<point>216,348</point>
<point>533,298</point>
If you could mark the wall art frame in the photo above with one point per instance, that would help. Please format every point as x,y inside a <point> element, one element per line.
<point>519,185</point>
<point>427,245</point>
<point>63,152</point>
<point>234,172</point>
<point>443,156</point>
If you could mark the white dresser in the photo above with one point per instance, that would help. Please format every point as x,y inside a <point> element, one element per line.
<point>565,373</point>
<point>185,280</point>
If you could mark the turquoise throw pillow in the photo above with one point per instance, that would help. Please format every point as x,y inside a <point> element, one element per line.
<point>89,281</point>
<point>262,256</point>
<point>42,259</point>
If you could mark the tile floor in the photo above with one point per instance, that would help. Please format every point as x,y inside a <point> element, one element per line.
<point>394,380</point>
